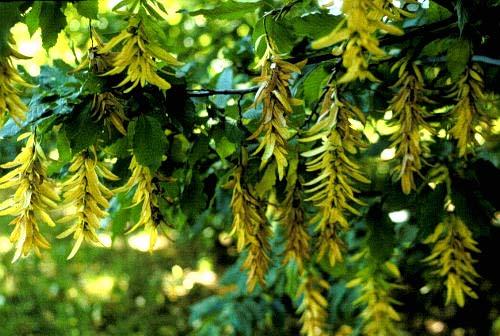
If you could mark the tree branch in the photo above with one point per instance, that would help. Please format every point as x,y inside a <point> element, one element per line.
<point>210,92</point>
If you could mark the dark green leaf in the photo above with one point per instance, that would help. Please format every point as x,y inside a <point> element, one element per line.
<point>229,10</point>
<point>224,147</point>
<point>63,147</point>
<point>224,82</point>
<point>437,47</point>
<point>32,19</point>
<point>81,129</point>
<point>179,149</point>
<point>381,235</point>
<point>87,8</point>
<point>199,150</point>
<point>314,25</point>
<point>52,21</point>
<point>9,16</point>
<point>149,142</point>
<point>194,199</point>
<point>457,57</point>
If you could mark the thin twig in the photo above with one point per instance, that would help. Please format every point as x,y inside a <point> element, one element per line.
<point>210,92</point>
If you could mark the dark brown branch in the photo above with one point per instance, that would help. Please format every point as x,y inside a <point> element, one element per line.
<point>431,30</point>
<point>209,92</point>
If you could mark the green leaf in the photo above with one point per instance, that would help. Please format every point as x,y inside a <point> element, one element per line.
<point>32,19</point>
<point>224,147</point>
<point>268,180</point>
<point>194,200</point>
<point>457,57</point>
<point>120,148</point>
<point>381,234</point>
<point>224,82</point>
<point>179,149</point>
<point>87,8</point>
<point>429,209</point>
<point>313,83</point>
<point>81,129</point>
<point>229,10</point>
<point>314,25</point>
<point>10,15</point>
<point>435,13</point>
<point>437,47</point>
<point>199,150</point>
<point>121,213</point>
<point>280,33</point>
<point>52,21</point>
<point>149,142</point>
<point>63,147</point>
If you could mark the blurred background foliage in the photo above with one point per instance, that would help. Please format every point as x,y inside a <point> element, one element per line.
<point>192,283</point>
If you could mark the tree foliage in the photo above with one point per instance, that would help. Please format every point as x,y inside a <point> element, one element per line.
<point>350,152</point>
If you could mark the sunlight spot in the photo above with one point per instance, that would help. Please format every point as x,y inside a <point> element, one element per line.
<point>458,332</point>
<point>54,154</point>
<point>434,326</point>
<point>140,301</point>
<point>105,239</point>
<point>200,20</point>
<point>140,242</point>
<point>334,6</point>
<point>100,287</point>
<point>205,40</point>
<point>188,42</point>
<point>425,290</point>
<point>218,65</point>
<point>177,271</point>
<point>388,154</point>
<point>399,216</point>
<point>225,238</point>
<point>5,244</point>
<point>243,30</point>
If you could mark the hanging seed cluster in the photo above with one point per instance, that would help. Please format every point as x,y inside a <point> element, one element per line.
<point>326,175</point>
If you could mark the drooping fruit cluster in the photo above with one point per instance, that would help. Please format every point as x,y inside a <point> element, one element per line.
<point>332,190</point>
<point>11,105</point>
<point>276,99</point>
<point>33,200</point>
<point>86,198</point>
<point>409,116</point>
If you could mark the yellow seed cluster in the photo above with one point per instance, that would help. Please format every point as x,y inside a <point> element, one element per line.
<point>144,194</point>
<point>136,57</point>
<point>276,98</point>
<point>332,189</point>
<point>106,106</point>
<point>251,229</point>
<point>469,116</point>
<point>86,198</point>
<point>11,105</point>
<point>314,306</point>
<point>364,18</point>
<point>451,256</point>
<point>33,199</point>
<point>379,316</point>
<point>98,61</point>
<point>409,113</point>
<point>292,218</point>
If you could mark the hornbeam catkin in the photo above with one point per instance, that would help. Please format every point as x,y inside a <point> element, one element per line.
<point>33,200</point>
<point>332,190</point>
